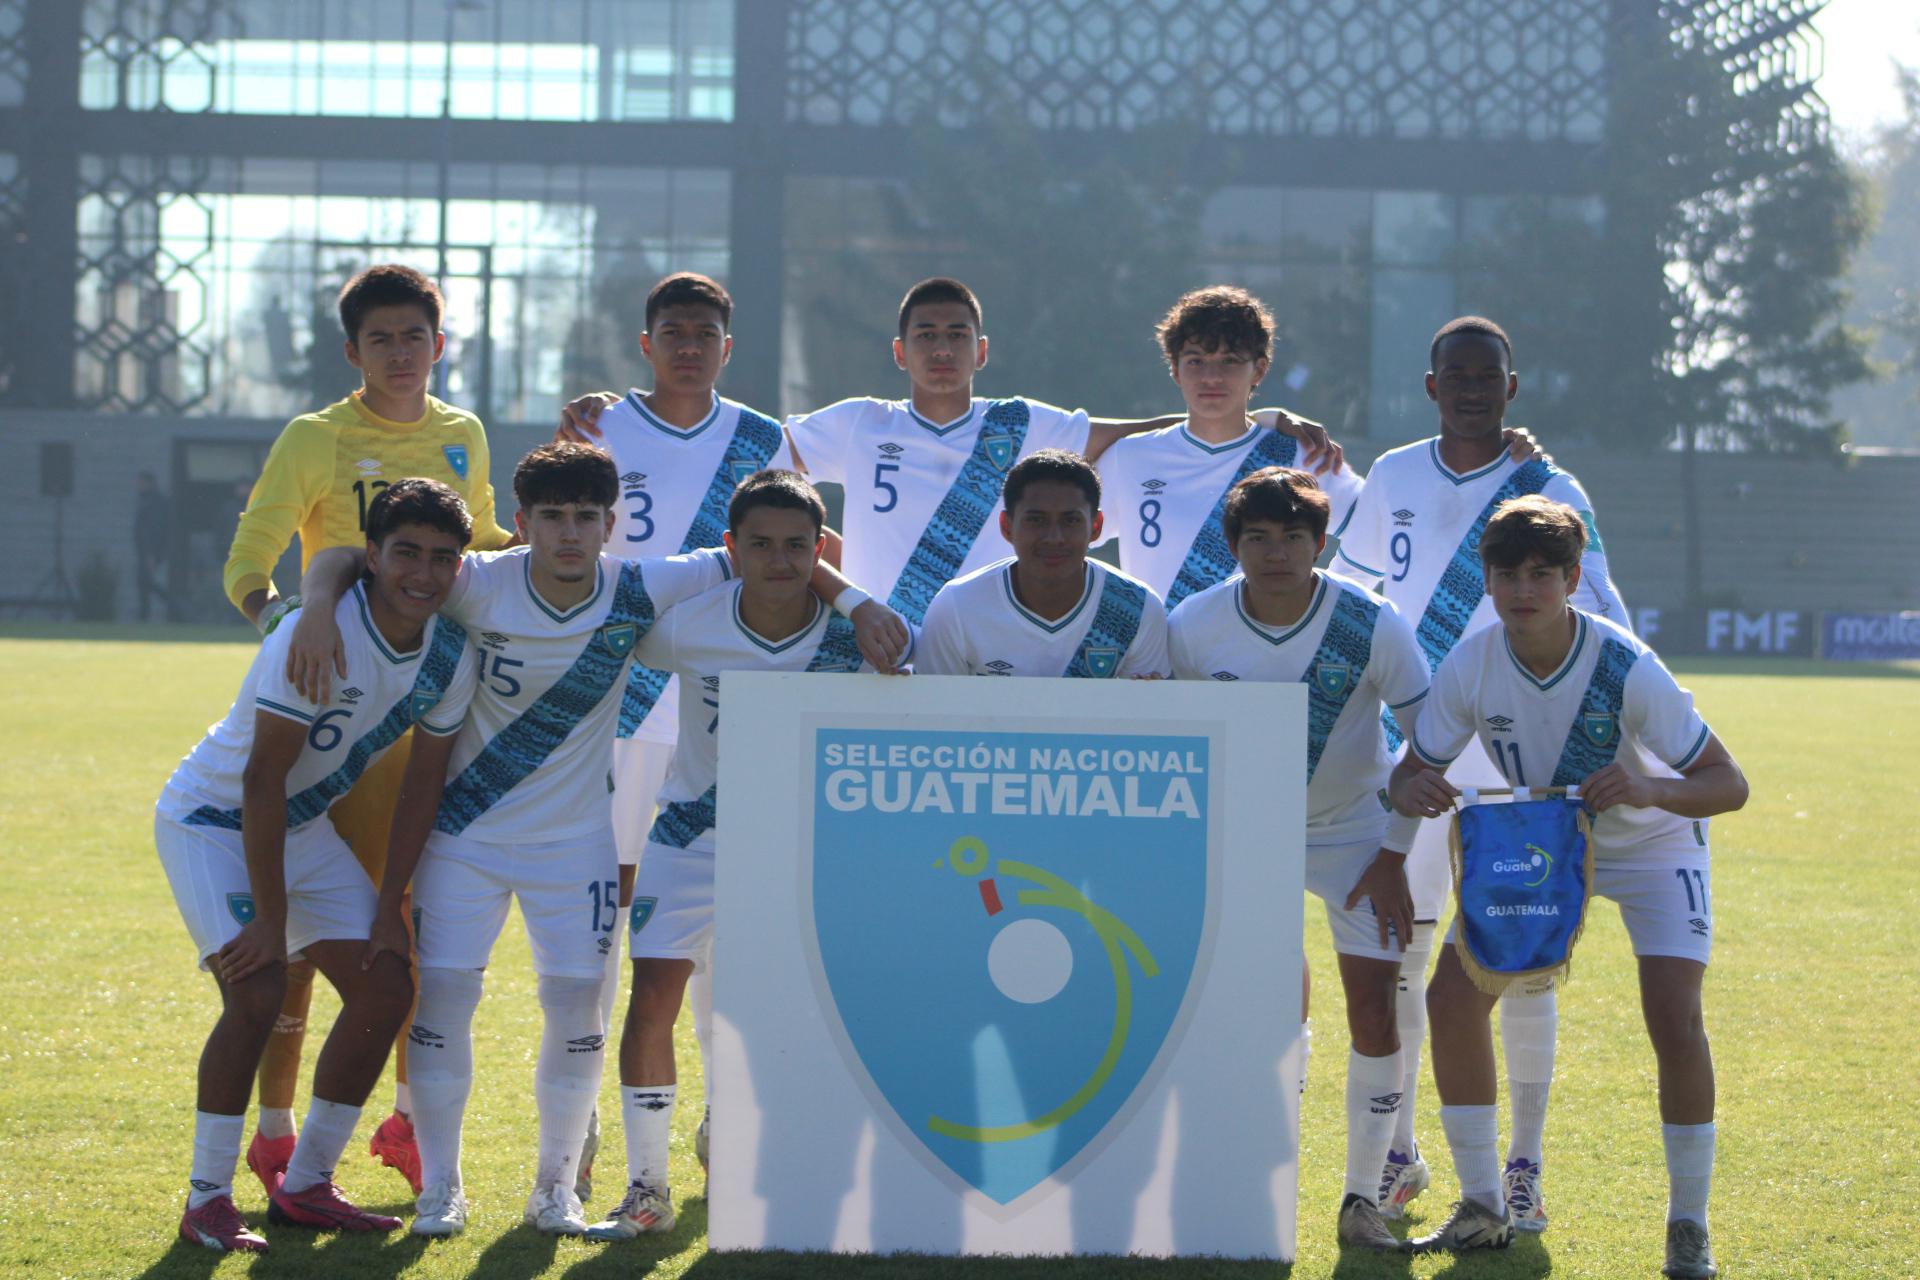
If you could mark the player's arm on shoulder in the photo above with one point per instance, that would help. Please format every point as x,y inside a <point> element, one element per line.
<point>291,482</point>
<point>580,418</point>
<point>883,635</point>
<point>818,440</point>
<point>279,736</point>
<point>1104,433</point>
<point>1660,715</point>
<point>317,650</point>
<point>1320,453</point>
<point>1179,649</point>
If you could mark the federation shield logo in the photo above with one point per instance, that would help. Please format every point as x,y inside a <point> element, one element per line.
<point>619,637</point>
<point>1332,678</point>
<point>422,701</point>
<point>1103,661</point>
<point>456,458</point>
<point>1006,979</point>
<point>742,468</point>
<point>641,912</point>
<point>999,447</point>
<point>1599,726</point>
<point>240,907</point>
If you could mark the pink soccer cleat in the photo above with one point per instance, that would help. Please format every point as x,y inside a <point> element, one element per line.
<point>269,1157</point>
<point>323,1207</point>
<point>219,1226</point>
<point>393,1143</point>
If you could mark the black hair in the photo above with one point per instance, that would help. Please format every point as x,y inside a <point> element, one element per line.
<point>1279,495</point>
<point>387,285</point>
<point>1469,324</point>
<point>940,289</point>
<point>418,500</point>
<point>562,472</point>
<point>1533,526</point>
<point>1221,317</point>
<point>782,490</point>
<point>1051,464</point>
<point>690,289</point>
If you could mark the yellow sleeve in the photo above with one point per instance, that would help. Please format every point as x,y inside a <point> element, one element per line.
<point>296,475</point>
<point>487,533</point>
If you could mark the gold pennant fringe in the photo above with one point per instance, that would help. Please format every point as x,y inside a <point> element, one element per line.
<point>1493,983</point>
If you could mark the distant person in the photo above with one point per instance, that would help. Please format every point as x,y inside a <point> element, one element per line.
<point>152,543</point>
<point>320,479</point>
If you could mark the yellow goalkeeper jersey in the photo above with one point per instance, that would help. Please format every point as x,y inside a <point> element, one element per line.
<point>327,466</point>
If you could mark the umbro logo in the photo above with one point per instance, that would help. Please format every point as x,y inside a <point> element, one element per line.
<point>634,477</point>
<point>1384,1104</point>
<point>650,1101</point>
<point>1403,516</point>
<point>1500,724</point>
<point>1000,667</point>
<point>351,694</point>
<point>368,465</point>
<point>605,943</point>
<point>426,1039</point>
<point>891,449</point>
<point>493,639</point>
<point>586,1044</point>
<point>1700,927</point>
<point>1225,675</point>
<point>1153,486</point>
<point>710,683</point>
<point>201,1184</point>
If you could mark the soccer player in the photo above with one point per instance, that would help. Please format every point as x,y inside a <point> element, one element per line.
<point>320,480</point>
<point>1562,697</point>
<point>261,876</point>
<point>1166,489</point>
<point>1415,534</point>
<point>1282,619</point>
<point>768,620</point>
<point>1049,610</point>
<point>516,808</point>
<point>680,449</point>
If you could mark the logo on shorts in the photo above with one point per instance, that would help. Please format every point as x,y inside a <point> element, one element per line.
<point>1599,726</point>
<point>240,906</point>
<point>604,942</point>
<point>1102,661</point>
<point>456,458</point>
<point>619,637</point>
<point>426,1039</point>
<point>351,694</point>
<point>641,912</point>
<point>999,667</point>
<point>1700,927</point>
<point>586,1044</point>
<point>1332,678</point>
<point>1225,675</point>
<point>1000,448</point>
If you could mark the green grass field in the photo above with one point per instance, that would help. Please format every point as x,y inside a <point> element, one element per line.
<point>1812,1004</point>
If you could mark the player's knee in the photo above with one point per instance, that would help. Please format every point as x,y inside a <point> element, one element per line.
<point>658,990</point>
<point>1676,1023</point>
<point>254,1002</point>
<point>383,996</point>
<point>1370,1019</point>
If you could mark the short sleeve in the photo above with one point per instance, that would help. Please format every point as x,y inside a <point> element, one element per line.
<point>656,648</point>
<point>1446,717</point>
<point>943,643</point>
<point>820,438</point>
<point>1343,489</point>
<point>272,691</point>
<point>1147,655</point>
<point>1361,551</point>
<point>1051,427</point>
<point>448,714</point>
<point>671,579</point>
<point>1179,651</point>
<point>1396,666</point>
<point>476,582</point>
<point>1661,715</point>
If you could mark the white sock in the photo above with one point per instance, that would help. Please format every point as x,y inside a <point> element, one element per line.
<point>323,1137</point>
<point>700,996</point>
<point>1410,1015</point>
<point>1373,1103</point>
<point>566,1080</point>
<point>1473,1133</point>
<point>1306,1054</point>
<point>275,1122</point>
<point>646,1111</point>
<point>1529,1031</point>
<point>440,1067</point>
<point>402,1098</point>
<point>1689,1169</point>
<point>216,1150</point>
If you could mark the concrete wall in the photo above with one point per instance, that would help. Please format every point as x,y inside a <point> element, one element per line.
<point>1777,533</point>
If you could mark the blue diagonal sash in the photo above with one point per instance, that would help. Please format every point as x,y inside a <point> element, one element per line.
<point>1337,667</point>
<point>430,683</point>
<point>1116,621</point>
<point>1594,737</point>
<point>1210,560</point>
<point>523,746</point>
<point>752,445</point>
<point>963,513</point>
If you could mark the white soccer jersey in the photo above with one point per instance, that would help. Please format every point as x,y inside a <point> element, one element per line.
<point>1355,653</point>
<point>532,763</point>
<point>1162,490</point>
<point>384,694</point>
<point>1611,698</point>
<point>1416,519</point>
<point>923,498</point>
<point>975,626</point>
<point>675,484</point>
<point>703,639</point>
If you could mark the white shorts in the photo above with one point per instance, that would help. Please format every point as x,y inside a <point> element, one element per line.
<point>672,913</point>
<point>1429,868</point>
<point>1332,871</point>
<point>639,767</point>
<point>328,894</point>
<point>1668,909</point>
<point>569,895</point>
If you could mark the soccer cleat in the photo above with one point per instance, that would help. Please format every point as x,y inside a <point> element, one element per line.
<point>703,1139</point>
<point>322,1206</point>
<point>645,1211</point>
<point>393,1143</point>
<point>1525,1204</point>
<point>269,1157</point>
<point>1689,1252</point>
<point>554,1210</point>
<point>1362,1227</point>
<point>219,1226</point>
<point>1403,1178</point>
<point>583,1180</point>
<point>1471,1225</point>
<point>440,1211</point>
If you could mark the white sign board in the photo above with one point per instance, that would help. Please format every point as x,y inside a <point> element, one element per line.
<point>1007,966</point>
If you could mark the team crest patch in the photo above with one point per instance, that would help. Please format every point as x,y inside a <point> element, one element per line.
<point>1000,448</point>
<point>456,458</point>
<point>422,701</point>
<point>240,906</point>
<point>619,637</point>
<point>742,468</point>
<point>641,913</point>
<point>1103,661</point>
<point>1599,726</point>
<point>1332,678</point>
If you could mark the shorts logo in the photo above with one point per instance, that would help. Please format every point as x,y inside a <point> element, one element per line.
<point>619,637</point>
<point>1599,726</point>
<point>456,458</point>
<point>351,694</point>
<point>742,468</point>
<point>1332,678</point>
<point>422,701</point>
<point>1225,675</point>
<point>604,942</point>
<point>1103,661</point>
<point>1700,927</point>
<point>240,907</point>
<point>999,667</point>
<point>641,912</point>
<point>999,446</point>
